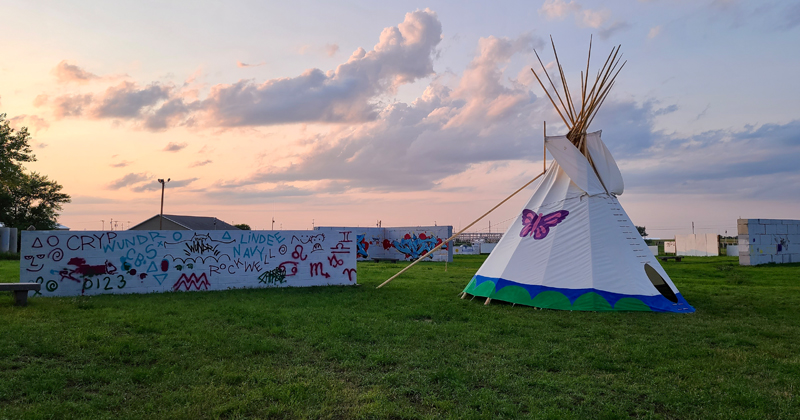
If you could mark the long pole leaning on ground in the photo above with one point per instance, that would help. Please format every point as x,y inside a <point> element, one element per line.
<point>438,247</point>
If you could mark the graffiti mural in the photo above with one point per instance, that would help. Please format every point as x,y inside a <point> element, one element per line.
<point>88,263</point>
<point>413,246</point>
<point>404,243</point>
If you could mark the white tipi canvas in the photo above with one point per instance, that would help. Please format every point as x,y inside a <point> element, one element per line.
<point>573,247</point>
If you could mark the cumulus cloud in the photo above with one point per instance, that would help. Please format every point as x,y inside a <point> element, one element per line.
<point>403,54</point>
<point>71,73</point>
<point>128,180</point>
<point>127,100</point>
<point>558,9</point>
<point>33,122</point>
<point>174,147</point>
<point>485,117</point>
<point>348,94</point>
<point>587,18</point>
<point>71,105</point>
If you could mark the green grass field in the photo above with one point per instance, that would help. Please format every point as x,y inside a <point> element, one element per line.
<point>412,349</point>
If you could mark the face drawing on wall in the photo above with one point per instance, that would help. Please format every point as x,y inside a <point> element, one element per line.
<point>33,266</point>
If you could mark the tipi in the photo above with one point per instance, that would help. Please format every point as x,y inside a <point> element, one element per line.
<point>572,246</point>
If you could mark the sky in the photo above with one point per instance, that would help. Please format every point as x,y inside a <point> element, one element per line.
<point>347,113</point>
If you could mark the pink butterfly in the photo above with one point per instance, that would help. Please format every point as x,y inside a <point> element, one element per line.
<point>539,224</point>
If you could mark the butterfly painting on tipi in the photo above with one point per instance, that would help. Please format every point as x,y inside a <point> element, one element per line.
<point>538,224</point>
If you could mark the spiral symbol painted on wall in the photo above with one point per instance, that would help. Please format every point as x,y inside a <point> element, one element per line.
<point>282,250</point>
<point>56,254</point>
<point>51,286</point>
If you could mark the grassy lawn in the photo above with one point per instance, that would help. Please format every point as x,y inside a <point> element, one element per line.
<point>409,350</point>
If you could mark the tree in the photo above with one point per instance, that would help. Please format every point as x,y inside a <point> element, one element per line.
<point>33,200</point>
<point>243,226</point>
<point>642,231</point>
<point>26,199</point>
<point>14,150</point>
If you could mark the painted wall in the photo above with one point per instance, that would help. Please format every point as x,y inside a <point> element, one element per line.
<point>669,247</point>
<point>732,251</point>
<point>467,250</point>
<point>763,241</point>
<point>90,263</point>
<point>5,239</point>
<point>699,245</point>
<point>403,243</point>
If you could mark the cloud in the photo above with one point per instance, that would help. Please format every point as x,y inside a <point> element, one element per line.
<point>593,18</point>
<point>610,30</point>
<point>128,180</point>
<point>242,65</point>
<point>752,162</point>
<point>558,9</point>
<point>791,17</point>
<point>174,147</point>
<point>40,100</point>
<point>155,186</point>
<point>654,31</point>
<point>122,164</point>
<point>71,105</point>
<point>34,122</point>
<point>200,163</point>
<point>403,54</point>
<point>587,18</point>
<point>250,195</point>
<point>483,118</point>
<point>348,94</point>
<point>331,49</point>
<point>127,100</point>
<point>70,73</point>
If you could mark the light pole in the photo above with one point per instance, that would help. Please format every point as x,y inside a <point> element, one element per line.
<point>161,219</point>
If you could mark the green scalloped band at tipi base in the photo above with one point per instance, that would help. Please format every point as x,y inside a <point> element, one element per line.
<point>570,299</point>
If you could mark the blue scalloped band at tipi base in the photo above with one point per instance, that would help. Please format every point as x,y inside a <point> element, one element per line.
<point>571,299</point>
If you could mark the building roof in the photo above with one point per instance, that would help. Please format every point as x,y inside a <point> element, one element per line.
<point>194,222</point>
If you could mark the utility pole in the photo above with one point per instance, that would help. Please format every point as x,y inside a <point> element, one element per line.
<point>161,219</point>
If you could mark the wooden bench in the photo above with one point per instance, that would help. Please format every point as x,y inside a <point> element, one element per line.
<point>394,260</point>
<point>20,291</point>
<point>676,258</point>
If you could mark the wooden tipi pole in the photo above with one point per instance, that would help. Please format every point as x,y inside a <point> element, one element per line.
<point>438,247</point>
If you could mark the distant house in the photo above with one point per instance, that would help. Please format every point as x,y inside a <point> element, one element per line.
<point>177,222</point>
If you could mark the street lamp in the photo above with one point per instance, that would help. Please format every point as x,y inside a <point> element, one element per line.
<point>161,219</point>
